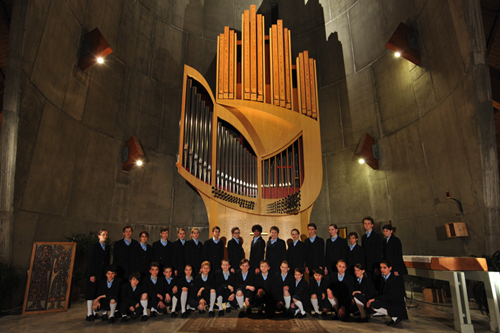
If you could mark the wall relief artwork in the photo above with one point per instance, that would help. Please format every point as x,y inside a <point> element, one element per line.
<point>49,280</point>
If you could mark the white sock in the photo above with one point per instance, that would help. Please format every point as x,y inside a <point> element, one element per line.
<point>144,305</point>
<point>212,301</point>
<point>361,307</point>
<point>334,303</point>
<point>219,301</point>
<point>240,300</point>
<point>314,302</point>
<point>228,305</point>
<point>382,311</point>
<point>394,318</point>
<point>299,305</point>
<point>190,308</point>
<point>174,303</point>
<point>104,313</point>
<point>296,311</point>
<point>113,309</point>
<point>184,297</point>
<point>288,299</point>
<point>89,308</point>
<point>154,310</point>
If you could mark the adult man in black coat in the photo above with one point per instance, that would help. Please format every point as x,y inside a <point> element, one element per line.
<point>235,249</point>
<point>371,243</point>
<point>122,253</point>
<point>214,249</point>
<point>162,250</point>
<point>276,251</point>
<point>315,250</point>
<point>257,249</point>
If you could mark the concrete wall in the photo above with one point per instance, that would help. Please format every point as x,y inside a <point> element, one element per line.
<point>73,123</point>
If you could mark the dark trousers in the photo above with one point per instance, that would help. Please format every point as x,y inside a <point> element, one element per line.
<point>91,289</point>
<point>153,303</point>
<point>268,301</point>
<point>105,302</point>
<point>125,308</point>
<point>225,293</point>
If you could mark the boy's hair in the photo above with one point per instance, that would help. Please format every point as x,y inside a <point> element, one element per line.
<point>194,229</point>
<point>275,228</point>
<point>388,263</point>
<point>334,226</point>
<point>225,260</point>
<point>205,263</point>
<point>101,231</point>
<point>368,218</point>
<point>341,260</point>
<point>257,227</point>
<point>167,267</point>
<point>285,262</point>
<point>163,229</point>
<point>128,227</point>
<point>360,267</point>
<point>300,270</point>
<point>295,230</point>
<point>111,268</point>
<point>181,229</point>
<point>388,227</point>
<point>243,261</point>
<point>144,232</point>
<point>154,264</point>
<point>353,233</point>
<point>135,275</point>
<point>264,262</point>
<point>188,265</point>
<point>234,229</point>
<point>319,271</point>
<point>215,228</point>
<point>312,225</point>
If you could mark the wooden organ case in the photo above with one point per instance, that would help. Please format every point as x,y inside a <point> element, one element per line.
<point>253,149</point>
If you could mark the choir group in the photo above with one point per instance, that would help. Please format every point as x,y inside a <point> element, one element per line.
<point>359,279</point>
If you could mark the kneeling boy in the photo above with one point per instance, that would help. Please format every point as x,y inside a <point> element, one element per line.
<point>153,286</point>
<point>226,283</point>
<point>206,289</point>
<point>108,292</point>
<point>133,299</point>
<point>170,290</point>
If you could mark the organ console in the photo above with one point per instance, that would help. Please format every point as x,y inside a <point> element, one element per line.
<point>253,149</point>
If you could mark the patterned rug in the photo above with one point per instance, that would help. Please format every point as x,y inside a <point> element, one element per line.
<point>231,323</point>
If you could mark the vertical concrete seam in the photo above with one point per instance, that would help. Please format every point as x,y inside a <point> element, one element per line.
<point>340,117</point>
<point>40,41</point>
<point>350,38</point>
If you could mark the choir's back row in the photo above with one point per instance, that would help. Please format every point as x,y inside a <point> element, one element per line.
<point>343,278</point>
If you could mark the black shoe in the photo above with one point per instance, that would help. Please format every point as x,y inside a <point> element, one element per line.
<point>111,320</point>
<point>153,314</point>
<point>124,319</point>
<point>173,315</point>
<point>144,318</point>
<point>135,316</point>
<point>362,320</point>
<point>397,321</point>
<point>241,314</point>
<point>201,312</point>
<point>316,315</point>
<point>302,315</point>
<point>390,323</point>
<point>221,313</point>
<point>184,315</point>
<point>228,310</point>
<point>345,319</point>
<point>104,317</point>
<point>260,313</point>
<point>324,314</point>
<point>211,314</point>
<point>90,318</point>
<point>249,311</point>
<point>335,317</point>
<point>97,317</point>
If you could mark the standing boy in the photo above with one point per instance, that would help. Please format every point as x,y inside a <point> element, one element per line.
<point>98,259</point>
<point>372,246</point>
<point>194,251</point>
<point>315,250</point>
<point>214,248</point>
<point>336,248</point>
<point>162,250</point>
<point>235,249</point>
<point>122,253</point>
<point>179,258</point>
<point>356,254</point>
<point>258,247</point>
<point>276,250</point>
<point>142,255</point>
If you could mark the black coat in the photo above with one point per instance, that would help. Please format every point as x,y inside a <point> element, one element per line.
<point>142,259</point>
<point>129,296</point>
<point>163,254</point>
<point>296,255</point>
<point>214,253</point>
<point>111,293</point>
<point>301,290</point>
<point>318,290</point>
<point>267,285</point>
<point>242,284</point>
<point>355,256</point>
<point>393,251</point>
<point>366,287</point>
<point>153,289</point>
<point>315,253</point>
<point>235,253</point>
<point>98,260</point>
<point>335,251</point>
<point>279,284</point>
<point>167,287</point>
<point>122,257</point>
<point>392,291</point>
<point>191,285</point>
<point>342,290</point>
<point>275,255</point>
<point>194,255</point>
<point>179,257</point>
<point>220,281</point>
<point>209,284</point>
<point>372,247</point>
<point>257,250</point>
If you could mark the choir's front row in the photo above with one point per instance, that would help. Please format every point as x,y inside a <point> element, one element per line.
<point>286,292</point>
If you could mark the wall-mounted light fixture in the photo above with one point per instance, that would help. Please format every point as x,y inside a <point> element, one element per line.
<point>132,154</point>
<point>94,49</point>
<point>404,43</point>
<point>367,151</point>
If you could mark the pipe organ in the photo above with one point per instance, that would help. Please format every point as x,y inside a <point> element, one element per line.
<point>253,149</point>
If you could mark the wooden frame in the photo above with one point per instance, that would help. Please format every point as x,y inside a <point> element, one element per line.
<point>49,279</point>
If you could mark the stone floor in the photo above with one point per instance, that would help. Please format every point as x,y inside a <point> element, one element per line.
<point>425,317</point>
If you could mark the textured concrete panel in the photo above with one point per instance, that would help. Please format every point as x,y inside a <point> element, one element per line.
<point>153,98</point>
<point>144,42</point>
<point>169,142</point>
<point>423,88</point>
<point>149,132</point>
<point>407,232</point>
<point>461,31</point>
<point>395,12</point>
<point>77,8</point>
<point>168,55</point>
<point>24,233</point>
<point>339,7</point>
<point>128,119</point>
<point>30,114</point>
<point>330,122</point>
<point>442,49</point>
<point>55,58</point>
<point>188,16</point>
<point>335,52</point>
<point>476,229</point>
<point>206,64</point>
<point>37,13</point>
<point>125,48</point>
<point>106,96</point>
<point>394,93</point>
<point>93,177</point>
<point>217,14</point>
<point>161,9</point>
<point>49,180</point>
<point>188,207</point>
<point>151,195</point>
<point>368,47</point>
<point>358,107</point>
<point>105,15</point>
<point>431,245</point>
<point>55,228</point>
<point>76,94</point>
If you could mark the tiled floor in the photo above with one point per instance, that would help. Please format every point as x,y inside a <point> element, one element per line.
<point>425,318</point>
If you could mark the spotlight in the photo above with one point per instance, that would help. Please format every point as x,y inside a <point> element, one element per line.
<point>101,60</point>
<point>367,151</point>
<point>397,54</point>
<point>404,43</point>
<point>139,162</point>
<point>361,161</point>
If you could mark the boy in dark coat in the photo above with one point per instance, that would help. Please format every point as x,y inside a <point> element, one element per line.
<point>162,250</point>
<point>194,251</point>
<point>283,281</point>
<point>154,287</point>
<point>363,291</point>
<point>133,299</point>
<point>235,251</point>
<point>276,251</point>
<point>122,253</point>
<point>142,255</point>
<point>257,249</point>
<point>205,286</point>
<point>244,287</point>
<point>340,291</point>
<point>108,293</point>
<point>355,254</point>
<point>372,247</point>
<point>393,251</point>
<point>98,260</point>
<point>170,290</point>
<point>314,250</point>
<point>300,294</point>
<point>317,289</point>
<point>296,252</point>
<point>214,248</point>
<point>336,248</point>
<point>179,253</point>
<point>225,287</point>
<point>264,285</point>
